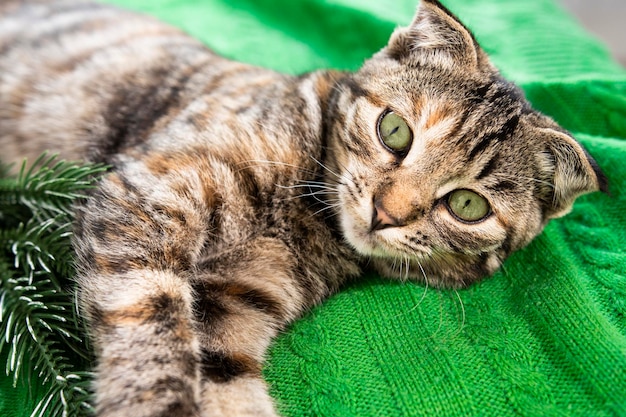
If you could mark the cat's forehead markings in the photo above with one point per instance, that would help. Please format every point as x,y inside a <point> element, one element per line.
<point>419,103</point>
<point>436,114</point>
<point>435,123</point>
<point>373,100</point>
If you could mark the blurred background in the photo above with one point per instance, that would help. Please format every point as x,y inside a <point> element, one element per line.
<point>606,19</point>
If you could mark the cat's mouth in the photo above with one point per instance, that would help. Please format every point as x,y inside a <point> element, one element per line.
<point>393,255</point>
<point>373,240</point>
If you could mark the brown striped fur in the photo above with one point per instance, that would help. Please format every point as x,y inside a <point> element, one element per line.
<point>239,197</point>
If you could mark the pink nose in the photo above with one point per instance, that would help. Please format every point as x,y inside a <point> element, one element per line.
<point>381,219</point>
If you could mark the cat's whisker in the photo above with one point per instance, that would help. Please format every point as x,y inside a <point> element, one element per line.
<point>325,192</point>
<point>329,216</point>
<point>314,192</point>
<point>327,207</point>
<point>348,176</point>
<point>323,197</point>
<point>317,195</point>
<point>397,266</point>
<point>306,185</point>
<point>423,297</point>
<point>319,190</point>
<point>503,268</point>
<point>401,262</point>
<point>262,162</point>
<point>325,167</point>
<point>407,263</point>
<point>424,275</point>
<point>440,325</point>
<point>394,263</point>
<point>321,184</point>
<point>458,296</point>
<point>340,177</point>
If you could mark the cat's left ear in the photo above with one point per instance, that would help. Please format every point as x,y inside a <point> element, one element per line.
<point>574,172</point>
<point>435,37</point>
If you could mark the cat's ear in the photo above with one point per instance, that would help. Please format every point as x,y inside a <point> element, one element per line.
<point>574,172</point>
<point>436,37</point>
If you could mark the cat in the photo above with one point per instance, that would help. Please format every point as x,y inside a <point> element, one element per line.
<point>238,197</point>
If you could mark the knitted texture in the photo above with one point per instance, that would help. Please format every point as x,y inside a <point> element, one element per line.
<point>546,336</point>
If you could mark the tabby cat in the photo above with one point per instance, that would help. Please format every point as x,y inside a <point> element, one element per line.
<point>238,197</point>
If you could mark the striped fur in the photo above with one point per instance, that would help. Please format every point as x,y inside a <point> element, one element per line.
<point>239,197</point>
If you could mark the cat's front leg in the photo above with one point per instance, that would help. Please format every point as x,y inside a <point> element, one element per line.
<point>146,346</point>
<point>137,240</point>
<point>242,300</point>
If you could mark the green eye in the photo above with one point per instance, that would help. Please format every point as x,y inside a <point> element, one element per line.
<point>468,206</point>
<point>394,133</point>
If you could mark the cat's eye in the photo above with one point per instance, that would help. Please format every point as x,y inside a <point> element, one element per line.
<point>394,133</point>
<point>468,206</point>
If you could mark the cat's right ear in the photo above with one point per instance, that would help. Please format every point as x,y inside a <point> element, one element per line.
<point>572,170</point>
<point>435,37</point>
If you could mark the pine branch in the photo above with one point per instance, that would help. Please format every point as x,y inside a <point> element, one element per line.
<point>48,188</point>
<point>39,328</point>
<point>36,245</point>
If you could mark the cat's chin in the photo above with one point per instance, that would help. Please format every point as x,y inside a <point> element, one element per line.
<point>451,274</point>
<point>436,269</point>
<point>371,244</point>
<point>389,261</point>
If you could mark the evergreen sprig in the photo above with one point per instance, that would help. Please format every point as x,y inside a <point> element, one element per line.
<point>40,332</point>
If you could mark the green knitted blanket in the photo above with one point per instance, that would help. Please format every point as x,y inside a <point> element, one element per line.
<point>546,336</point>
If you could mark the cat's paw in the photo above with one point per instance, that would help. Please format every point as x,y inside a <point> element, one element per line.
<point>239,397</point>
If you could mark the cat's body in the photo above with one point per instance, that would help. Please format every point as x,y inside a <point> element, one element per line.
<point>239,197</point>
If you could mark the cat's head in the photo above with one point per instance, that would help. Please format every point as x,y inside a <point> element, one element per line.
<point>444,167</point>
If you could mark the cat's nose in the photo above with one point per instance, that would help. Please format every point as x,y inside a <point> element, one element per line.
<point>381,219</point>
